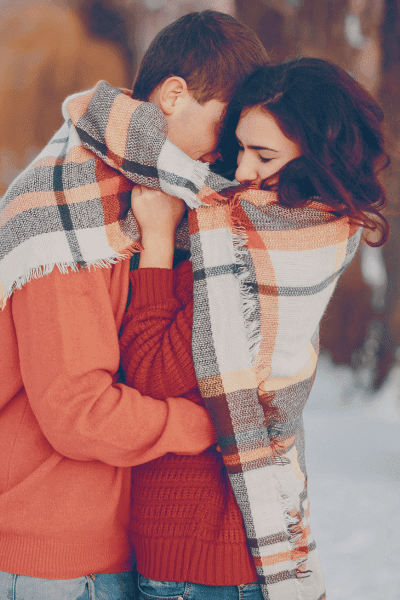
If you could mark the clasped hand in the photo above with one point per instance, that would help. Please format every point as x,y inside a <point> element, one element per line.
<point>158,215</point>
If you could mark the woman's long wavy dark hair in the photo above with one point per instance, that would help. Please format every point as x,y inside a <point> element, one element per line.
<point>338,126</point>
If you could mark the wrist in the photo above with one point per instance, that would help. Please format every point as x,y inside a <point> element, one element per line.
<point>158,251</point>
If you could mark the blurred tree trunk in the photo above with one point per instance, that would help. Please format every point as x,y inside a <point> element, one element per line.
<point>45,55</point>
<point>390,101</point>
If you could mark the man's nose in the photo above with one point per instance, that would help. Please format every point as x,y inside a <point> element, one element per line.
<point>245,171</point>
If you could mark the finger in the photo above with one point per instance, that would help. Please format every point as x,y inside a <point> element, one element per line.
<point>137,190</point>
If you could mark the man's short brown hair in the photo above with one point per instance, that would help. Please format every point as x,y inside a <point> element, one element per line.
<point>210,50</point>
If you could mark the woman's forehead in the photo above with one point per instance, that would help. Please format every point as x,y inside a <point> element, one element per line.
<point>257,127</point>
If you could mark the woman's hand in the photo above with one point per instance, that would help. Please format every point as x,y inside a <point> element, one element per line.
<point>158,215</point>
<point>156,212</point>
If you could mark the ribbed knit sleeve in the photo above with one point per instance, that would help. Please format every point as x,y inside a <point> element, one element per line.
<point>156,335</point>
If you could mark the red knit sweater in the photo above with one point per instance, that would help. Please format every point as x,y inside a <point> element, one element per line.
<point>186,524</point>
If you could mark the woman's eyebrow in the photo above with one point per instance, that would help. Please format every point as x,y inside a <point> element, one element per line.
<point>262,148</point>
<point>256,147</point>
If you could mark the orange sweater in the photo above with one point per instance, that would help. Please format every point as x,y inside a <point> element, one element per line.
<point>69,433</point>
<point>186,524</point>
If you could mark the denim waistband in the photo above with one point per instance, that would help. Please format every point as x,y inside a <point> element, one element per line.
<point>101,586</point>
<point>149,589</point>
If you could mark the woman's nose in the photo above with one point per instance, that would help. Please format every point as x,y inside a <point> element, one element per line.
<point>245,170</point>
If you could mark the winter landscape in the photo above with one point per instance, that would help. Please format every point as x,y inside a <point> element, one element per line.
<point>353,459</point>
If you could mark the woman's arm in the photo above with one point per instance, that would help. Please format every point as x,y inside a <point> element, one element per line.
<point>156,338</point>
<point>156,353</point>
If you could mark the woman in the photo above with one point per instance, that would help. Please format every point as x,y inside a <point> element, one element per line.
<point>311,137</point>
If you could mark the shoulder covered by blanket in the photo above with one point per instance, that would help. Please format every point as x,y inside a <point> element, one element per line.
<point>70,207</point>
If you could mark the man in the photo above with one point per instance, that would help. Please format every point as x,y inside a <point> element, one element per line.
<point>69,430</point>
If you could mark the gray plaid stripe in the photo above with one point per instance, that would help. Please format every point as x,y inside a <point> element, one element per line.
<point>282,576</point>
<point>37,179</point>
<point>217,183</point>
<point>269,540</point>
<point>311,290</point>
<point>204,356</point>
<point>94,121</point>
<point>174,179</point>
<point>242,498</point>
<point>273,217</point>
<point>47,219</point>
<point>146,118</point>
<point>76,175</point>
<point>27,225</point>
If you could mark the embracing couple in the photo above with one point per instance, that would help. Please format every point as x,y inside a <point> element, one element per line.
<point>159,323</point>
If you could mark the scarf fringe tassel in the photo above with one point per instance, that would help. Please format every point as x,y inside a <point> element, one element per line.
<point>64,268</point>
<point>247,296</point>
<point>295,530</point>
<point>197,177</point>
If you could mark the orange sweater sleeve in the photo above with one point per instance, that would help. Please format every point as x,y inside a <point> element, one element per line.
<point>156,337</point>
<point>68,348</point>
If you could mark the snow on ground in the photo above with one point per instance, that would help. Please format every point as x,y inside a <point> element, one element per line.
<point>353,463</point>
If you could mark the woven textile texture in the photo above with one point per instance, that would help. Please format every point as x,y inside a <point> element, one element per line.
<point>70,207</point>
<point>263,276</point>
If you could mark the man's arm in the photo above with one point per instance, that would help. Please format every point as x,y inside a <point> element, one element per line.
<point>69,357</point>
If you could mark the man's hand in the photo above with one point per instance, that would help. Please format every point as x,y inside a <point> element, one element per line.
<point>158,215</point>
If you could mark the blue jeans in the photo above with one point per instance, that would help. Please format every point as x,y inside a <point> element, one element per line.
<point>103,586</point>
<point>171,590</point>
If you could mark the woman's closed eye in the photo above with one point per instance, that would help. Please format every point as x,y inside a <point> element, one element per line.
<point>261,158</point>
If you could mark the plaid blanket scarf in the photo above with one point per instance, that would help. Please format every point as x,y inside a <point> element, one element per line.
<point>70,207</point>
<point>263,276</point>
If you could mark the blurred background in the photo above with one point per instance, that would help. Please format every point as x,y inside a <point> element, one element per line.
<point>52,48</point>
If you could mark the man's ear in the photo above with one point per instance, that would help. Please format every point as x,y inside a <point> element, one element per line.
<point>172,94</point>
